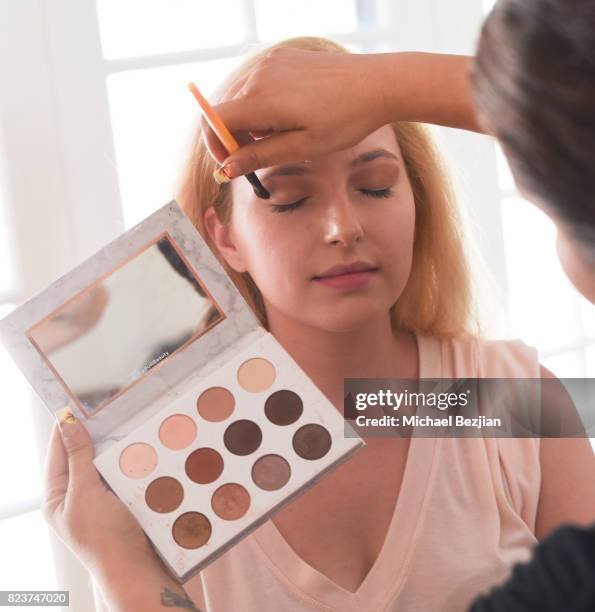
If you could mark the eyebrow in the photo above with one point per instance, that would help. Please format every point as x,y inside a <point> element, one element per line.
<point>301,170</point>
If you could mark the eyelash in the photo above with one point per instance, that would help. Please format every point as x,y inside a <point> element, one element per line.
<point>371,193</point>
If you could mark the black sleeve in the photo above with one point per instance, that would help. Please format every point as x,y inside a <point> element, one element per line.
<point>559,578</point>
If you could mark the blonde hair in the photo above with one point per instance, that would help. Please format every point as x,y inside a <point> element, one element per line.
<point>437,299</point>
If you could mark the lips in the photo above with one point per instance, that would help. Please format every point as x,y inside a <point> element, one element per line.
<point>344,269</point>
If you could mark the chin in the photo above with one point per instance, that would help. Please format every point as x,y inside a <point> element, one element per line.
<point>349,319</point>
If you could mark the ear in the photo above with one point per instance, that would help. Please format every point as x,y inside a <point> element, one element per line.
<point>222,237</point>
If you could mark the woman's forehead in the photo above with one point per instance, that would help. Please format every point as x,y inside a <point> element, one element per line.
<point>383,139</point>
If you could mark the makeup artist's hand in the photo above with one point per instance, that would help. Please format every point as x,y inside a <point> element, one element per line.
<point>80,508</point>
<point>292,97</point>
<point>300,104</point>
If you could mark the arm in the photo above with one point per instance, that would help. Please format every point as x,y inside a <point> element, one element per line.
<point>289,102</point>
<point>427,87</point>
<point>124,587</point>
<point>567,484</point>
<point>568,470</point>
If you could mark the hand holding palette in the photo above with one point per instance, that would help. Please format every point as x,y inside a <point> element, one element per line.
<point>202,423</point>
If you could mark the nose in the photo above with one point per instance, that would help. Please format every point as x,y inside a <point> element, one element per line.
<point>342,224</point>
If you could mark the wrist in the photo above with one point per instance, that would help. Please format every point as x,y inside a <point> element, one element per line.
<point>390,90</point>
<point>129,583</point>
<point>115,561</point>
<point>422,87</point>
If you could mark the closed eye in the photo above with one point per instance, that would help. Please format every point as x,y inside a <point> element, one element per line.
<point>287,207</point>
<point>371,193</point>
<point>378,193</point>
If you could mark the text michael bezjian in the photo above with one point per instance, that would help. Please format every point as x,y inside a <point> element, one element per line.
<point>427,421</point>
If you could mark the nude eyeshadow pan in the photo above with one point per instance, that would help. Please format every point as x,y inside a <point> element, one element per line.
<point>138,460</point>
<point>177,431</point>
<point>215,404</point>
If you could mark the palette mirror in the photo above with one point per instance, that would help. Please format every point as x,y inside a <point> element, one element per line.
<point>104,339</point>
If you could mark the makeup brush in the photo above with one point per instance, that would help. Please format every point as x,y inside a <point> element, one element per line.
<point>226,138</point>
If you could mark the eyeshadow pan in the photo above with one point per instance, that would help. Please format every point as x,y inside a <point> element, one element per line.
<point>215,404</point>
<point>138,460</point>
<point>270,472</point>
<point>204,465</point>
<point>177,431</point>
<point>256,375</point>
<point>311,441</point>
<point>283,407</point>
<point>164,494</point>
<point>242,437</point>
<point>230,501</point>
<point>191,530</point>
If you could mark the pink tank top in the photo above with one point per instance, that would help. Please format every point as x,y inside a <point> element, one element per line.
<point>464,515</point>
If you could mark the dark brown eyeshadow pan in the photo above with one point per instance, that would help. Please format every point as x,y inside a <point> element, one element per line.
<point>242,437</point>
<point>283,407</point>
<point>312,441</point>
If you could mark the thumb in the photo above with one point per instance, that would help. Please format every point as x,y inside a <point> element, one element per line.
<point>79,449</point>
<point>281,148</point>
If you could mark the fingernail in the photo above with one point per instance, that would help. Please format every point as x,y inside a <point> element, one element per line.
<point>232,169</point>
<point>67,422</point>
<point>221,176</point>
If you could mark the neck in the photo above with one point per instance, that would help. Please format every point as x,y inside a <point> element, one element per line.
<point>372,350</point>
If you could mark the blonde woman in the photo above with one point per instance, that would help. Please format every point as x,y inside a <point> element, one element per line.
<point>406,524</point>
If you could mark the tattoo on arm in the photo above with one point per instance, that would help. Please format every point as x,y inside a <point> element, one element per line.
<point>169,599</point>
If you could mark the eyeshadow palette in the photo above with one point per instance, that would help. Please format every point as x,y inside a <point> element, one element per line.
<point>202,423</point>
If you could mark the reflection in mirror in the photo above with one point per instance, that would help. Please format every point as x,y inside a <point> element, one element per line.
<point>114,331</point>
